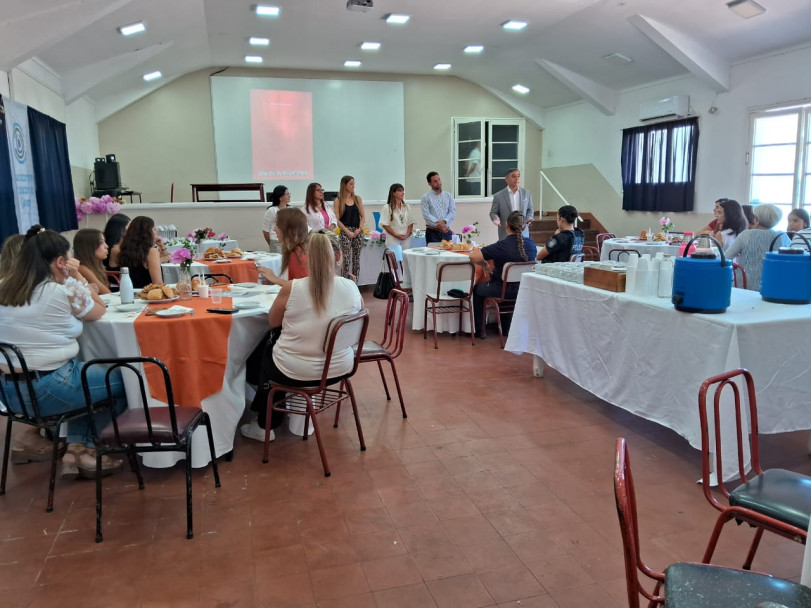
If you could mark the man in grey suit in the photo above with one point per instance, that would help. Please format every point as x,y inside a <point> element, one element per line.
<point>512,198</point>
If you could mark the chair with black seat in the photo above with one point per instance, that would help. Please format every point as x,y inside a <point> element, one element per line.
<point>510,275</point>
<point>462,274</point>
<point>395,270</point>
<point>775,499</point>
<point>12,359</point>
<point>683,584</point>
<point>737,269</point>
<point>347,331</point>
<point>391,345</point>
<point>602,237</point>
<point>217,278</point>
<point>146,429</point>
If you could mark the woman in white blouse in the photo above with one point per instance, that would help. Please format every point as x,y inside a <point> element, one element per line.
<point>395,218</point>
<point>43,304</point>
<point>319,213</point>
<point>279,199</point>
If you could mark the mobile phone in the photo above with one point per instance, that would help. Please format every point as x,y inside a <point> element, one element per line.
<point>222,311</point>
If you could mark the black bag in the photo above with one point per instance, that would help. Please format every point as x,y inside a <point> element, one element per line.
<point>384,285</point>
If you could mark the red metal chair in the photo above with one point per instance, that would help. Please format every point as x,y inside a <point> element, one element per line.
<point>591,254</point>
<point>736,268</point>
<point>683,584</point>
<point>396,271</point>
<point>510,274</point>
<point>775,499</point>
<point>444,304</point>
<point>619,253</point>
<point>114,278</point>
<point>576,257</point>
<point>603,236</point>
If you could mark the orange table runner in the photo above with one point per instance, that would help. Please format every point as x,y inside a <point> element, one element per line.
<point>240,271</point>
<point>194,349</point>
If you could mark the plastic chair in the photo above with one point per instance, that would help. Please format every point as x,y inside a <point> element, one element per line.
<point>217,277</point>
<point>619,253</point>
<point>12,359</point>
<point>775,500</point>
<point>603,236</point>
<point>736,268</point>
<point>510,274</point>
<point>395,270</point>
<point>444,304</point>
<point>376,215</point>
<point>347,331</point>
<point>146,429</point>
<point>689,585</point>
<point>390,347</point>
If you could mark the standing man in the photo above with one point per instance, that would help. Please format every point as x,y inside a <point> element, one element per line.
<point>438,209</point>
<point>512,198</point>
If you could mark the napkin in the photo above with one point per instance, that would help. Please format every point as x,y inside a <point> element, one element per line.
<point>179,309</point>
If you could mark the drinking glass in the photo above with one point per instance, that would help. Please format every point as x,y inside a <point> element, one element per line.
<point>216,295</point>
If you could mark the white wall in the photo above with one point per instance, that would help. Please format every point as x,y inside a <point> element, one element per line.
<point>4,90</point>
<point>83,143</point>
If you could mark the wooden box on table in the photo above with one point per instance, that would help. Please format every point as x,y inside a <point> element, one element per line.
<point>603,278</point>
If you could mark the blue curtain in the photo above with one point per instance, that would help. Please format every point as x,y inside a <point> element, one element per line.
<point>49,150</point>
<point>8,214</point>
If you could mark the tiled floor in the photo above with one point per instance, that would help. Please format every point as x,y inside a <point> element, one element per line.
<point>497,491</point>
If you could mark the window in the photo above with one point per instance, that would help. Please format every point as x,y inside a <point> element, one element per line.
<point>484,150</point>
<point>659,166</point>
<point>780,160</point>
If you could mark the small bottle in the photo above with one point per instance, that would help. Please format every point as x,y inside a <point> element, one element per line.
<point>125,290</point>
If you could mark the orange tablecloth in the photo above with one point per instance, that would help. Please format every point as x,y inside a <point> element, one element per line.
<point>194,349</point>
<point>240,271</point>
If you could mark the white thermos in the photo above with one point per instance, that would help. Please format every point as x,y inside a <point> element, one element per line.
<point>666,278</point>
<point>125,289</point>
<point>630,272</point>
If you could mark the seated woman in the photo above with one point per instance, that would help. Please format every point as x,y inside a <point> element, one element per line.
<point>304,309</point>
<point>731,222</point>
<point>43,303</point>
<point>90,249</point>
<point>140,254</point>
<point>712,227</point>
<point>291,232</point>
<point>113,233</point>
<point>752,245</point>
<point>319,213</point>
<point>567,240</point>
<point>9,253</point>
<point>798,222</point>
<point>514,248</point>
<point>749,214</point>
<point>279,199</point>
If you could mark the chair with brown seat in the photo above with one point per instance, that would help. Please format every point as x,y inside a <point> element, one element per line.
<point>145,429</point>
<point>391,345</point>
<point>603,236</point>
<point>395,270</point>
<point>347,331</point>
<point>462,274</point>
<point>683,584</point>
<point>775,499</point>
<point>737,269</point>
<point>503,305</point>
<point>12,359</point>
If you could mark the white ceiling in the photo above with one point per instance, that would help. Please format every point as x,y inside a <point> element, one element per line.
<point>559,56</point>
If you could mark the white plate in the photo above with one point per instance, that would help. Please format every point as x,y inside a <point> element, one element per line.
<point>431,252</point>
<point>221,261</point>
<point>144,300</point>
<point>129,307</point>
<point>246,304</point>
<point>170,313</point>
<point>245,285</point>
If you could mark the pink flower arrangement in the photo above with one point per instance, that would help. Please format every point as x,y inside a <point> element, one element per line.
<point>223,236</point>
<point>200,234</point>
<point>666,223</point>
<point>375,237</point>
<point>89,206</point>
<point>181,256</point>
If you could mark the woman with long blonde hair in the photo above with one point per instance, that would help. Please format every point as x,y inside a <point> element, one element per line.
<point>90,248</point>
<point>292,233</point>
<point>351,219</point>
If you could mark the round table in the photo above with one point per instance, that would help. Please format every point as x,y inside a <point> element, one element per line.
<point>643,247</point>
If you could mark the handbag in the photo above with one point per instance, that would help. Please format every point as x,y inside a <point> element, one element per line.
<point>384,285</point>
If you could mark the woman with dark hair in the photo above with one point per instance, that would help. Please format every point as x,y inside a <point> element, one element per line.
<point>567,239</point>
<point>43,304</point>
<point>90,249</point>
<point>712,227</point>
<point>319,213</point>
<point>139,252</point>
<point>279,199</point>
<point>513,248</point>
<point>731,222</point>
<point>749,214</point>
<point>291,232</point>
<point>798,223</point>
<point>351,219</point>
<point>113,233</point>
<point>395,218</point>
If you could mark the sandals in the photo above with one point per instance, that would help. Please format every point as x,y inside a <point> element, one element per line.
<point>31,447</point>
<point>78,461</point>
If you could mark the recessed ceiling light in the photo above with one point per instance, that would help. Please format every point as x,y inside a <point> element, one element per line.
<point>253,59</point>
<point>397,19</point>
<point>520,88</point>
<point>351,63</point>
<point>442,66</point>
<point>258,41</point>
<point>370,46</point>
<point>513,25</point>
<point>617,59</point>
<point>267,11</point>
<point>746,8</point>
<point>132,28</point>
<point>474,48</point>
<point>152,75</point>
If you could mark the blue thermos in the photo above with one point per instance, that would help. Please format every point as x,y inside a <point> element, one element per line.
<point>786,275</point>
<point>702,283</point>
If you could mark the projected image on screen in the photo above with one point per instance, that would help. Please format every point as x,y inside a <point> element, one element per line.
<point>282,134</point>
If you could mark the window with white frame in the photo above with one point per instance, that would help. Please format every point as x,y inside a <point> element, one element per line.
<point>484,149</point>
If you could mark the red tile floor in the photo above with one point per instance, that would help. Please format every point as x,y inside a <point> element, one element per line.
<point>497,491</point>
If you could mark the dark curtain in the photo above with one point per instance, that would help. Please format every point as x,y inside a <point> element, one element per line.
<point>659,166</point>
<point>8,213</point>
<point>49,151</point>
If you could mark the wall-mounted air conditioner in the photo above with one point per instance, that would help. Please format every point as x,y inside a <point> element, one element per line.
<point>669,107</point>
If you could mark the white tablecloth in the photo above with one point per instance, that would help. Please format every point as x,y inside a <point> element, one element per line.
<point>114,336</point>
<point>171,272</point>
<point>642,247</point>
<point>371,261</point>
<point>644,356</point>
<point>419,271</point>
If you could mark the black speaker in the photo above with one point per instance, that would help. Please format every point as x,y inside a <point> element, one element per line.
<point>108,176</point>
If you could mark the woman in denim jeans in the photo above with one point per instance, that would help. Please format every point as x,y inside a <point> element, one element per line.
<point>43,304</point>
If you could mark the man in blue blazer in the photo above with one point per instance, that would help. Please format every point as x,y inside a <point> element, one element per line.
<point>512,198</point>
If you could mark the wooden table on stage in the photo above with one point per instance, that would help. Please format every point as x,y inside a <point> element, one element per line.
<point>252,187</point>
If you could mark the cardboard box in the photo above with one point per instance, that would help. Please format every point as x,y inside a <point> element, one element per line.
<point>603,278</point>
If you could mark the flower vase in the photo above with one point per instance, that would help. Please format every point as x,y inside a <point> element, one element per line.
<point>199,252</point>
<point>184,283</point>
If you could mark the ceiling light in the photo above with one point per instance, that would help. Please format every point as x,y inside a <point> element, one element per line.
<point>474,48</point>
<point>617,59</point>
<point>351,63</point>
<point>513,25</point>
<point>370,46</point>
<point>152,75</point>
<point>442,66</point>
<point>520,88</point>
<point>395,19</point>
<point>253,59</point>
<point>267,11</point>
<point>132,28</point>
<point>258,41</point>
<point>746,8</point>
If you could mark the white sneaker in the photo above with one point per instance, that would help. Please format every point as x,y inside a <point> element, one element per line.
<point>252,430</point>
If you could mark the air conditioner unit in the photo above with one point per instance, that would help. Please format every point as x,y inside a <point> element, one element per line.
<point>669,107</point>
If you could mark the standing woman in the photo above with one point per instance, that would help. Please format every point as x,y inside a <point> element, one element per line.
<point>319,214</point>
<point>90,248</point>
<point>731,222</point>
<point>113,234</point>
<point>291,233</point>
<point>351,218</point>
<point>395,217</point>
<point>279,199</point>
<point>139,252</point>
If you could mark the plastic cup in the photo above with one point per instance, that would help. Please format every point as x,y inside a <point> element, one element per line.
<point>216,295</point>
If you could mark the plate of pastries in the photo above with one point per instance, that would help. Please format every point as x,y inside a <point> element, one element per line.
<point>157,293</point>
<point>215,253</point>
<point>450,246</point>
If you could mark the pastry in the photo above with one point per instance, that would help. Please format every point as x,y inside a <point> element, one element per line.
<point>155,294</point>
<point>167,291</point>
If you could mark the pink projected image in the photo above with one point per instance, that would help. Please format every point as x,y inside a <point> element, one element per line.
<point>282,135</point>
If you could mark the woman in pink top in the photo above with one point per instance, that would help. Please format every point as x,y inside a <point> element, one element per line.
<point>319,213</point>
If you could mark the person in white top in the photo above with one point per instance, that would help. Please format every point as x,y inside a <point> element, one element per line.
<point>43,304</point>
<point>731,222</point>
<point>279,199</point>
<point>395,218</point>
<point>319,213</point>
